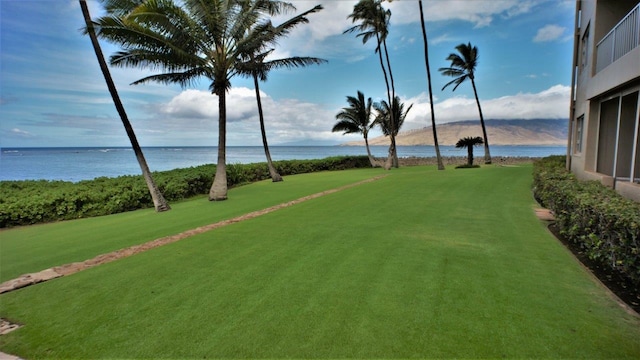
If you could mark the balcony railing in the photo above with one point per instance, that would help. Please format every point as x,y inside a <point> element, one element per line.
<point>624,37</point>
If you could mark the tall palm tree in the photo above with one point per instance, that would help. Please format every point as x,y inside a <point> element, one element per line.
<point>374,22</point>
<point>259,69</point>
<point>357,119</point>
<point>426,61</point>
<point>469,142</point>
<point>189,39</point>
<point>159,202</point>
<point>391,118</point>
<point>462,67</point>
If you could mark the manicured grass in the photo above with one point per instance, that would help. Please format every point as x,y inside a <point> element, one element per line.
<point>34,248</point>
<point>420,264</point>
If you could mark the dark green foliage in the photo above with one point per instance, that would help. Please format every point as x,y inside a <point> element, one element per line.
<point>32,202</point>
<point>603,223</point>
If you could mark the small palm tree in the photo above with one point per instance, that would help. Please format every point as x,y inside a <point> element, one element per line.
<point>357,119</point>
<point>462,67</point>
<point>426,61</point>
<point>389,127</point>
<point>159,202</point>
<point>469,142</point>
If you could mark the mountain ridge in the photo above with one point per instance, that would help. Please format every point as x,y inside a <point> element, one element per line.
<point>499,132</point>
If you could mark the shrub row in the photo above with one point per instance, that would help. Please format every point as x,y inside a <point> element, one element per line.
<point>603,223</point>
<point>31,202</point>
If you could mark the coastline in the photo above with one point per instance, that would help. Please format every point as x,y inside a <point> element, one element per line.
<point>460,160</point>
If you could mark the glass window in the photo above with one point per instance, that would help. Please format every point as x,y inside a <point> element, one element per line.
<point>584,49</point>
<point>577,138</point>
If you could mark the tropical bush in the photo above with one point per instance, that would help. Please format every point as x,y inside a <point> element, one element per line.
<point>603,223</point>
<point>30,202</point>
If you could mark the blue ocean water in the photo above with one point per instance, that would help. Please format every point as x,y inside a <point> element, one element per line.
<point>76,164</point>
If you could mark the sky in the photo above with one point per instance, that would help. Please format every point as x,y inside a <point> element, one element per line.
<point>52,92</point>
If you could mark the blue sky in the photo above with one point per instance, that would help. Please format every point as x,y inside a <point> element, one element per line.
<point>52,92</point>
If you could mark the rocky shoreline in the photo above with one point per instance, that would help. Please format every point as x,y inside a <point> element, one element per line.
<point>460,160</point>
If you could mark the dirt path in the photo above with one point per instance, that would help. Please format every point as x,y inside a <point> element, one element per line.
<point>72,268</point>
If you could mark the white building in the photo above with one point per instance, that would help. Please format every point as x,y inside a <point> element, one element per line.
<point>604,131</point>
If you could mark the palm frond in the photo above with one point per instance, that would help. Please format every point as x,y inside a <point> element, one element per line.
<point>469,141</point>
<point>462,65</point>
<point>347,127</point>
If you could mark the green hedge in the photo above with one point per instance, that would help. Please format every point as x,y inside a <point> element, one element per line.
<point>603,223</point>
<point>31,202</point>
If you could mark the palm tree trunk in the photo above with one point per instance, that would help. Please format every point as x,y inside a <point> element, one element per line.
<point>433,117</point>
<point>470,155</point>
<point>487,155</point>
<point>275,177</point>
<point>373,161</point>
<point>389,161</point>
<point>159,202</point>
<point>393,97</point>
<point>218,190</point>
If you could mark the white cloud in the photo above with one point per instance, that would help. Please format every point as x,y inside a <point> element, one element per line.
<point>550,103</point>
<point>21,133</point>
<point>193,115</point>
<point>333,21</point>
<point>549,33</point>
<point>478,12</point>
<point>196,112</point>
<point>441,39</point>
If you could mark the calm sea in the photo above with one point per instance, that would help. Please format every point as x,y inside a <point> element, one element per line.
<point>76,164</point>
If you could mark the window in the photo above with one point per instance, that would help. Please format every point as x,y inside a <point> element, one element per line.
<point>577,138</point>
<point>584,49</point>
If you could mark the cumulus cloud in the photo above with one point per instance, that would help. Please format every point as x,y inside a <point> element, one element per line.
<point>550,103</point>
<point>195,112</point>
<point>549,33</point>
<point>192,114</point>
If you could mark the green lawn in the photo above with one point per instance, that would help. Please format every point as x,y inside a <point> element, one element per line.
<point>422,264</point>
<point>34,248</point>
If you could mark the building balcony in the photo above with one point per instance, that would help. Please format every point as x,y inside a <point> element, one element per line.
<point>622,39</point>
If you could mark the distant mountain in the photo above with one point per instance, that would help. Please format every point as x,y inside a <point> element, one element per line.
<point>309,142</point>
<point>499,132</point>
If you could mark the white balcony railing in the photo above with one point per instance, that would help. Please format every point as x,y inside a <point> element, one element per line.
<point>624,37</point>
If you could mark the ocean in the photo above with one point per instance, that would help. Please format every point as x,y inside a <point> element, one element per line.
<point>86,163</point>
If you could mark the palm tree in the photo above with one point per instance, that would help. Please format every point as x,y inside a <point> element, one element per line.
<point>189,39</point>
<point>259,69</point>
<point>469,142</point>
<point>462,68</point>
<point>159,202</point>
<point>374,22</point>
<point>426,61</point>
<point>384,117</point>
<point>357,119</point>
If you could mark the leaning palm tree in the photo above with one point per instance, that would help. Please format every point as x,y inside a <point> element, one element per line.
<point>159,202</point>
<point>426,61</point>
<point>469,142</point>
<point>258,69</point>
<point>384,116</point>
<point>462,67</point>
<point>189,39</point>
<point>357,119</point>
<point>374,22</point>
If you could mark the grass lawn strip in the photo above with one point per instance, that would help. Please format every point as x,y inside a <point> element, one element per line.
<point>29,249</point>
<point>420,264</point>
<point>68,269</point>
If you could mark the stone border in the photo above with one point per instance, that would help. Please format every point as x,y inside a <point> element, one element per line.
<point>72,268</point>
